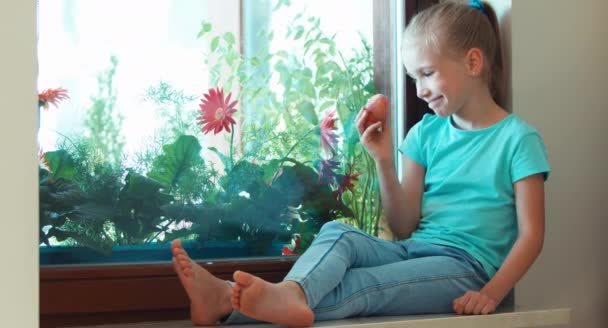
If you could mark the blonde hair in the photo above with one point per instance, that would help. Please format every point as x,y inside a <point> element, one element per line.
<point>455,28</point>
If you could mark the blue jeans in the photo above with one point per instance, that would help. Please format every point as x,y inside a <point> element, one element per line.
<point>348,273</point>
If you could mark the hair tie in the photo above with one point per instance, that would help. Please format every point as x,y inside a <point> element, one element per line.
<point>479,6</point>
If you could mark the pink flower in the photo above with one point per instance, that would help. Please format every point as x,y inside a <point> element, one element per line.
<point>216,111</point>
<point>347,181</point>
<point>326,171</point>
<point>329,138</point>
<point>52,97</point>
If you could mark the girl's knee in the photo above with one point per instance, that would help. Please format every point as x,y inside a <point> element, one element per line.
<point>334,226</point>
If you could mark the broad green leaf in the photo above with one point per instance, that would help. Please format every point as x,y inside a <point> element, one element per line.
<point>177,158</point>
<point>307,109</point>
<point>245,176</point>
<point>297,182</point>
<point>62,195</point>
<point>92,211</point>
<point>61,164</point>
<point>271,170</point>
<point>140,187</point>
<point>326,105</point>
<point>305,87</point>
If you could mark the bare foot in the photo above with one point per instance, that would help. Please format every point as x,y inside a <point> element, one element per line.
<point>209,296</point>
<point>283,303</point>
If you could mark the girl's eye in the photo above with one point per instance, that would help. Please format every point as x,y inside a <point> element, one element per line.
<point>427,74</point>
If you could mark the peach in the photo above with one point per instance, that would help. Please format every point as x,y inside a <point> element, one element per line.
<point>377,109</point>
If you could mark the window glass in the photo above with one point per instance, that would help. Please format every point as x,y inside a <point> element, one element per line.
<point>228,124</point>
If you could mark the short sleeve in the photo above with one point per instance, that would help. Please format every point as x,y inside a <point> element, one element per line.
<point>411,145</point>
<point>530,158</point>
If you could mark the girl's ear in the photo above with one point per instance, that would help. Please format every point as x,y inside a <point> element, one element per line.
<point>474,62</point>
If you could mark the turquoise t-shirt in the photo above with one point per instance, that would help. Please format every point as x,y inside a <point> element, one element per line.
<point>468,199</point>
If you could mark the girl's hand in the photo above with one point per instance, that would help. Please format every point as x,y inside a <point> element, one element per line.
<point>376,138</point>
<point>474,303</point>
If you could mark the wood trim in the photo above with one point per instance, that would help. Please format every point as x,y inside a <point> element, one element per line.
<point>90,295</point>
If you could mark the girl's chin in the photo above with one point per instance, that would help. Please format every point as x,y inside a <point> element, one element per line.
<point>440,112</point>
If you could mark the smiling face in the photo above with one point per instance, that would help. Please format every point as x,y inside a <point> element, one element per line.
<point>441,80</point>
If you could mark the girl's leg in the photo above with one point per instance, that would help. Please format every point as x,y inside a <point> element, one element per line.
<point>209,296</point>
<point>420,285</point>
<point>337,248</point>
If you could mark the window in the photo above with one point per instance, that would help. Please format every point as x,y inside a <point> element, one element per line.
<point>283,96</point>
<point>138,147</point>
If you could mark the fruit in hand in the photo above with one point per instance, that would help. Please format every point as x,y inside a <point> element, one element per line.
<point>377,109</point>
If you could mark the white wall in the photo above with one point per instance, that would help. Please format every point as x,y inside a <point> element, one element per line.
<point>18,195</point>
<point>560,84</point>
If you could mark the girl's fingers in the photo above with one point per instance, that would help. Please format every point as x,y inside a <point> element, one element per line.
<point>371,129</point>
<point>471,304</point>
<point>360,120</point>
<point>359,113</point>
<point>488,308</point>
<point>479,307</point>
<point>460,303</point>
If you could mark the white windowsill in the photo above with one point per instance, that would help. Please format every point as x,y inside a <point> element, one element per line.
<point>521,318</point>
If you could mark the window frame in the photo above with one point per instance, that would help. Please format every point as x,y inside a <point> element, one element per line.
<point>104,294</point>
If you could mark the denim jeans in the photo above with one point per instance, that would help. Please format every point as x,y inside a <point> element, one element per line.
<point>348,273</point>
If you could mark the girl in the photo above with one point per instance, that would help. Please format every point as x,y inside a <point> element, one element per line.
<point>468,216</point>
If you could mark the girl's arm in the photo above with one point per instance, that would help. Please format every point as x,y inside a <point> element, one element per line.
<point>401,203</point>
<point>530,206</point>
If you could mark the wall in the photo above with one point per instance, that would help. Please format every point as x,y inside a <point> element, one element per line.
<point>560,80</point>
<point>18,195</point>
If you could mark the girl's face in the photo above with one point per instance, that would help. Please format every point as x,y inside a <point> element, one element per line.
<point>441,79</point>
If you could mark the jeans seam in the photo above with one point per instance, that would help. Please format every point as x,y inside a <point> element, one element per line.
<point>304,280</point>
<point>332,247</point>
<point>382,287</point>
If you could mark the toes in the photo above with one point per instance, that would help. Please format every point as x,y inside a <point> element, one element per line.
<point>243,278</point>
<point>235,296</point>
<point>179,252</point>
<point>176,244</point>
<point>176,265</point>
<point>236,302</point>
<point>188,272</point>
<point>184,263</point>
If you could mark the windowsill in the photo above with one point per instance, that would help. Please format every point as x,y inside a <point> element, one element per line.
<point>512,319</point>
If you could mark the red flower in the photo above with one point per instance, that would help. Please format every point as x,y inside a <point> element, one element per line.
<point>292,249</point>
<point>328,137</point>
<point>52,96</point>
<point>216,112</point>
<point>326,171</point>
<point>42,161</point>
<point>346,182</point>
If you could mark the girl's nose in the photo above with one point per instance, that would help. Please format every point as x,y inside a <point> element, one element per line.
<point>422,92</point>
